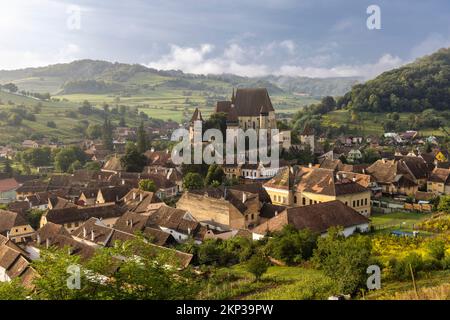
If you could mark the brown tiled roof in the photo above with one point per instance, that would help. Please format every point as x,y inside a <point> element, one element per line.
<point>317,218</point>
<point>132,201</point>
<point>324,181</point>
<point>15,263</point>
<point>223,106</point>
<point>423,196</point>
<point>49,231</point>
<point>255,188</point>
<point>9,220</point>
<point>440,175</point>
<point>417,166</point>
<point>131,222</point>
<point>113,164</point>
<point>330,164</point>
<point>161,158</point>
<point>173,219</point>
<point>67,215</point>
<point>8,184</point>
<point>33,186</point>
<point>160,238</point>
<point>362,179</point>
<point>269,210</point>
<point>113,194</point>
<point>249,102</point>
<point>19,206</point>
<point>232,116</point>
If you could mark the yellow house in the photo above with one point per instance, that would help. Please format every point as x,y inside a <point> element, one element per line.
<point>14,226</point>
<point>299,187</point>
<point>439,181</point>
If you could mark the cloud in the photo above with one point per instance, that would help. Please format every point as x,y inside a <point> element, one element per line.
<point>238,60</point>
<point>431,44</point>
<point>13,59</point>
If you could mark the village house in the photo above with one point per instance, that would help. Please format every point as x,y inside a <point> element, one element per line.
<point>403,176</point>
<point>8,187</point>
<point>301,186</point>
<point>177,223</point>
<point>15,226</point>
<point>72,217</point>
<point>221,208</point>
<point>317,218</point>
<point>139,201</point>
<point>15,264</point>
<point>439,181</point>
<point>30,144</point>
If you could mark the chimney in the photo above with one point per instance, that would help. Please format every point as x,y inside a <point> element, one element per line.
<point>7,235</point>
<point>244,197</point>
<point>276,213</point>
<point>38,239</point>
<point>364,171</point>
<point>189,231</point>
<point>92,236</point>
<point>47,243</point>
<point>123,182</point>
<point>141,197</point>
<point>310,165</point>
<point>354,179</point>
<point>84,232</point>
<point>152,149</point>
<point>134,195</point>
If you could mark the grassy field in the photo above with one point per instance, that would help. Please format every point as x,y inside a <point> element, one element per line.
<point>404,221</point>
<point>405,289</point>
<point>369,123</point>
<point>51,110</point>
<point>279,283</point>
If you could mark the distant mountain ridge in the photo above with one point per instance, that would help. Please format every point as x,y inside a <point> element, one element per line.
<point>96,76</point>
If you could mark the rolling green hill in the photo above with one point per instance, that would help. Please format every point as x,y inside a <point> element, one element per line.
<point>415,87</point>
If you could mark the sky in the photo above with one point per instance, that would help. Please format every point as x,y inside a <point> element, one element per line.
<point>313,38</point>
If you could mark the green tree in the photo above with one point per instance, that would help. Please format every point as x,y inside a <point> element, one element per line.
<point>94,131</point>
<point>344,259</point>
<point>13,290</point>
<point>107,135</point>
<point>51,124</point>
<point>147,185</point>
<point>133,161</point>
<point>142,140</point>
<point>291,245</point>
<point>122,122</point>
<point>444,204</point>
<point>7,169</point>
<point>64,158</point>
<point>257,265</point>
<point>193,181</point>
<point>436,248</point>
<point>11,87</point>
<point>215,174</point>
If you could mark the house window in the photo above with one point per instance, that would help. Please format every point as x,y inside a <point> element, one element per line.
<point>346,203</point>
<point>284,200</point>
<point>354,203</point>
<point>304,201</point>
<point>295,199</point>
<point>253,216</point>
<point>25,229</point>
<point>246,218</point>
<point>365,201</point>
<point>310,202</point>
<point>357,203</point>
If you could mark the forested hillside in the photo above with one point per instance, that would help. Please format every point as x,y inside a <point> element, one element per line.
<point>423,84</point>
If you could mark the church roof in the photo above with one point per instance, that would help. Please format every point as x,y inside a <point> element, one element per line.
<point>250,102</point>
<point>197,115</point>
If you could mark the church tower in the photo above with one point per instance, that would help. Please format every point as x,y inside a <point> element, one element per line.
<point>195,124</point>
